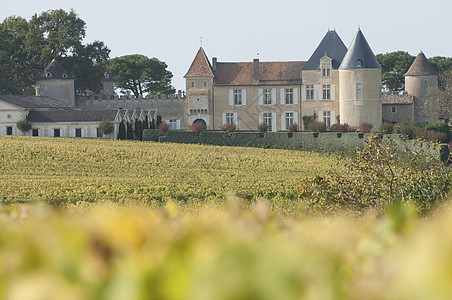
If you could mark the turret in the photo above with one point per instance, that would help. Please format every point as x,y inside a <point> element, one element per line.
<point>360,85</point>
<point>199,86</point>
<point>421,81</point>
<point>56,82</point>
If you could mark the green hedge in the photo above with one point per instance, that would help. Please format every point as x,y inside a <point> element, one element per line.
<point>328,141</point>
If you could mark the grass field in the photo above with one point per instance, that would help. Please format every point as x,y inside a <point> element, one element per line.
<point>72,170</point>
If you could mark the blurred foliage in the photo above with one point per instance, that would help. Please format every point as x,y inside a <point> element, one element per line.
<point>220,252</point>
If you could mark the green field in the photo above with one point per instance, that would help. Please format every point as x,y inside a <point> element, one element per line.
<point>73,170</point>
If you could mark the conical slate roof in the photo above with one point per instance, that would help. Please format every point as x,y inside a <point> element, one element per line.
<point>332,46</point>
<point>200,67</point>
<point>55,71</point>
<point>420,67</point>
<point>359,55</point>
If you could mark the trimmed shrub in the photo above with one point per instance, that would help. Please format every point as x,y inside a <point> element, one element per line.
<point>262,127</point>
<point>365,127</point>
<point>345,128</point>
<point>293,127</point>
<point>317,126</point>
<point>441,127</point>
<point>228,127</point>
<point>197,127</point>
<point>387,128</point>
<point>163,128</point>
<point>24,126</point>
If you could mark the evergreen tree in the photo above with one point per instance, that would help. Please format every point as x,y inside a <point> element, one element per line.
<point>122,131</point>
<point>129,133</point>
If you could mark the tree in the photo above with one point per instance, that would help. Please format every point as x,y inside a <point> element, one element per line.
<point>393,66</point>
<point>106,127</point>
<point>438,104</point>
<point>26,48</point>
<point>24,126</point>
<point>139,74</point>
<point>441,64</point>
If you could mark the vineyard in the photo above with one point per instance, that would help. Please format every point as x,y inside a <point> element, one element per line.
<point>59,171</point>
<point>104,219</point>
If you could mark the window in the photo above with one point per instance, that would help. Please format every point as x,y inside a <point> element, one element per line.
<point>326,92</point>
<point>310,92</point>
<point>268,121</point>
<point>289,119</point>
<point>35,132</point>
<point>57,132</point>
<point>78,132</point>
<point>359,63</point>
<point>173,124</point>
<point>326,70</point>
<point>289,96</point>
<point>393,109</point>
<point>359,91</point>
<point>9,130</point>
<point>192,84</point>
<point>237,97</point>
<point>229,118</point>
<point>327,118</point>
<point>267,96</point>
<point>205,83</point>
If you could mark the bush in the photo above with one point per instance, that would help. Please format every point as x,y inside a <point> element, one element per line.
<point>163,128</point>
<point>293,127</point>
<point>262,127</point>
<point>197,127</point>
<point>106,127</point>
<point>317,126</point>
<point>24,126</point>
<point>407,130</point>
<point>441,127</point>
<point>365,127</point>
<point>377,176</point>
<point>346,128</point>
<point>387,128</point>
<point>228,127</point>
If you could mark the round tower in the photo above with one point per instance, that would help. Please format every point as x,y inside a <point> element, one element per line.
<point>360,85</point>
<point>421,81</point>
<point>55,82</point>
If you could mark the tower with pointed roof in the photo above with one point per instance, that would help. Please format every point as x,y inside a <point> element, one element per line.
<point>360,85</point>
<point>320,75</point>
<point>199,87</point>
<point>57,83</point>
<point>421,81</point>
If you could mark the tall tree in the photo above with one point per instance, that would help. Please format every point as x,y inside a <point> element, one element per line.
<point>439,101</point>
<point>441,65</point>
<point>139,74</point>
<point>26,48</point>
<point>393,66</point>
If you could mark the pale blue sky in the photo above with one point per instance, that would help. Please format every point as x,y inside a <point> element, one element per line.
<point>234,30</point>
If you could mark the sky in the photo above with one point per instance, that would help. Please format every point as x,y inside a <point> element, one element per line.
<point>240,30</point>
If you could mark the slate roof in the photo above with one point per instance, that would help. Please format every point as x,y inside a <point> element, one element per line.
<point>33,102</point>
<point>55,71</point>
<point>420,67</point>
<point>359,51</point>
<point>241,73</point>
<point>332,46</point>
<point>397,99</point>
<point>71,115</point>
<point>200,67</point>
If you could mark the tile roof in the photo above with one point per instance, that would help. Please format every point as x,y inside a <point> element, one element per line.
<point>397,99</point>
<point>46,116</point>
<point>332,46</point>
<point>33,102</point>
<point>420,67</point>
<point>55,71</point>
<point>241,73</point>
<point>200,67</point>
<point>359,55</point>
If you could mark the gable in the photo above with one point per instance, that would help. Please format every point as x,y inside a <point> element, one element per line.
<point>8,106</point>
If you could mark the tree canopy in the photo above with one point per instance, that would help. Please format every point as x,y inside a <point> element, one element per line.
<point>27,47</point>
<point>393,66</point>
<point>139,74</point>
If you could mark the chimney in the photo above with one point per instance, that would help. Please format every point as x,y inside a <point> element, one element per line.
<point>214,64</point>
<point>256,70</point>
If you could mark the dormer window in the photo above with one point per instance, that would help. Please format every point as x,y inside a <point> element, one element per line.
<point>64,75</point>
<point>359,63</point>
<point>48,74</point>
<point>326,70</point>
